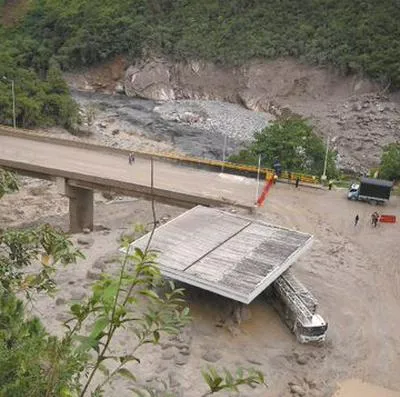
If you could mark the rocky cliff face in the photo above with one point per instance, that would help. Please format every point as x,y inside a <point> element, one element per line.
<point>255,85</point>
<point>351,111</point>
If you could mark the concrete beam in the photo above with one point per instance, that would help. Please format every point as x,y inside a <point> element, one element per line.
<point>170,197</point>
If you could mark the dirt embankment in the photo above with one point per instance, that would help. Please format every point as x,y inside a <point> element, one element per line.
<point>353,112</point>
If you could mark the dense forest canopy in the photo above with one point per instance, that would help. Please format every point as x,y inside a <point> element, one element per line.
<point>357,36</point>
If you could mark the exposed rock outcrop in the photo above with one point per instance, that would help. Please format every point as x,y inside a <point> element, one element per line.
<point>256,85</point>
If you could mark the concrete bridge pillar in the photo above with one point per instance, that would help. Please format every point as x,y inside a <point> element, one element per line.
<point>81,206</point>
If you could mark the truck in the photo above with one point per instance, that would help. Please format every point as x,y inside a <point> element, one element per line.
<point>375,191</point>
<point>297,308</point>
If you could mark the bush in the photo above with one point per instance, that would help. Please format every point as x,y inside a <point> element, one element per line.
<point>39,102</point>
<point>292,142</point>
<point>390,162</point>
<point>33,363</point>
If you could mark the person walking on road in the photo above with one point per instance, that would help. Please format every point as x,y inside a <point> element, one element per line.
<point>297,181</point>
<point>374,219</point>
<point>330,184</point>
<point>356,219</point>
<point>131,158</point>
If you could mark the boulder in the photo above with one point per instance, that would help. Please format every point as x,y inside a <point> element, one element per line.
<point>85,240</point>
<point>93,275</point>
<point>180,359</point>
<point>78,294</point>
<point>297,389</point>
<point>212,356</point>
<point>149,80</point>
<point>63,317</point>
<point>168,354</point>
<point>60,301</point>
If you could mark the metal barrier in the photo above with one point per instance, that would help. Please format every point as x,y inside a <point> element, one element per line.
<point>387,218</point>
<point>267,172</point>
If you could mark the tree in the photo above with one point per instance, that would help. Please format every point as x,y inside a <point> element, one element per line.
<point>292,142</point>
<point>390,162</point>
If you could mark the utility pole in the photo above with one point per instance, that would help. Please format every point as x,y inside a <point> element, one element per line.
<point>323,176</point>
<point>223,154</point>
<point>13,99</point>
<point>258,176</point>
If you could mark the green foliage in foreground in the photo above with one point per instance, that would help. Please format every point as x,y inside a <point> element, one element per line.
<point>8,182</point>
<point>43,245</point>
<point>227,381</point>
<point>390,162</point>
<point>291,141</point>
<point>33,363</point>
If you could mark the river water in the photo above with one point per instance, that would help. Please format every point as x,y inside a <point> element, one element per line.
<point>197,128</point>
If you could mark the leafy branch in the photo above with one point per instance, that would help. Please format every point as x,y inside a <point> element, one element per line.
<point>19,249</point>
<point>8,182</point>
<point>228,381</point>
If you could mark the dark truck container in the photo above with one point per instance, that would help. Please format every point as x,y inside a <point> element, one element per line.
<point>372,190</point>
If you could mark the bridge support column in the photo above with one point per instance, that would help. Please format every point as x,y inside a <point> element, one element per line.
<point>80,206</point>
<point>80,209</point>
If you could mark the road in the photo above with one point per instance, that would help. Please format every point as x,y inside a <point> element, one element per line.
<point>98,166</point>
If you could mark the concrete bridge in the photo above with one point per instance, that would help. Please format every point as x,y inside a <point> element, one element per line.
<point>79,168</point>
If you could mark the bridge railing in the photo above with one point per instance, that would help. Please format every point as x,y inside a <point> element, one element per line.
<point>228,166</point>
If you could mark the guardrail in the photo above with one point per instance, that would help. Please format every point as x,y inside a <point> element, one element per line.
<point>162,156</point>
<point>227,166</point>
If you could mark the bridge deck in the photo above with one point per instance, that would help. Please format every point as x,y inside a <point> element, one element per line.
<point>224,253</point>
<point>99,168</point>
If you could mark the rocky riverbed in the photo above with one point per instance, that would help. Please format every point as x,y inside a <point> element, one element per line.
<point>197,128</point>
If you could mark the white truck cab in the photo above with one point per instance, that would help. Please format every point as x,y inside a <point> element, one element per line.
<point>353,191</point>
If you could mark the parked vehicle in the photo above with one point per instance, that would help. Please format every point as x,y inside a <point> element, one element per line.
<point>375,191</point>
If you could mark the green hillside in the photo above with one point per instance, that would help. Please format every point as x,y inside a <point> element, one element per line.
<point>355,36</point>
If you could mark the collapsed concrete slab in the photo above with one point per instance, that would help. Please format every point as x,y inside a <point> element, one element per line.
<point>225,253</point>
